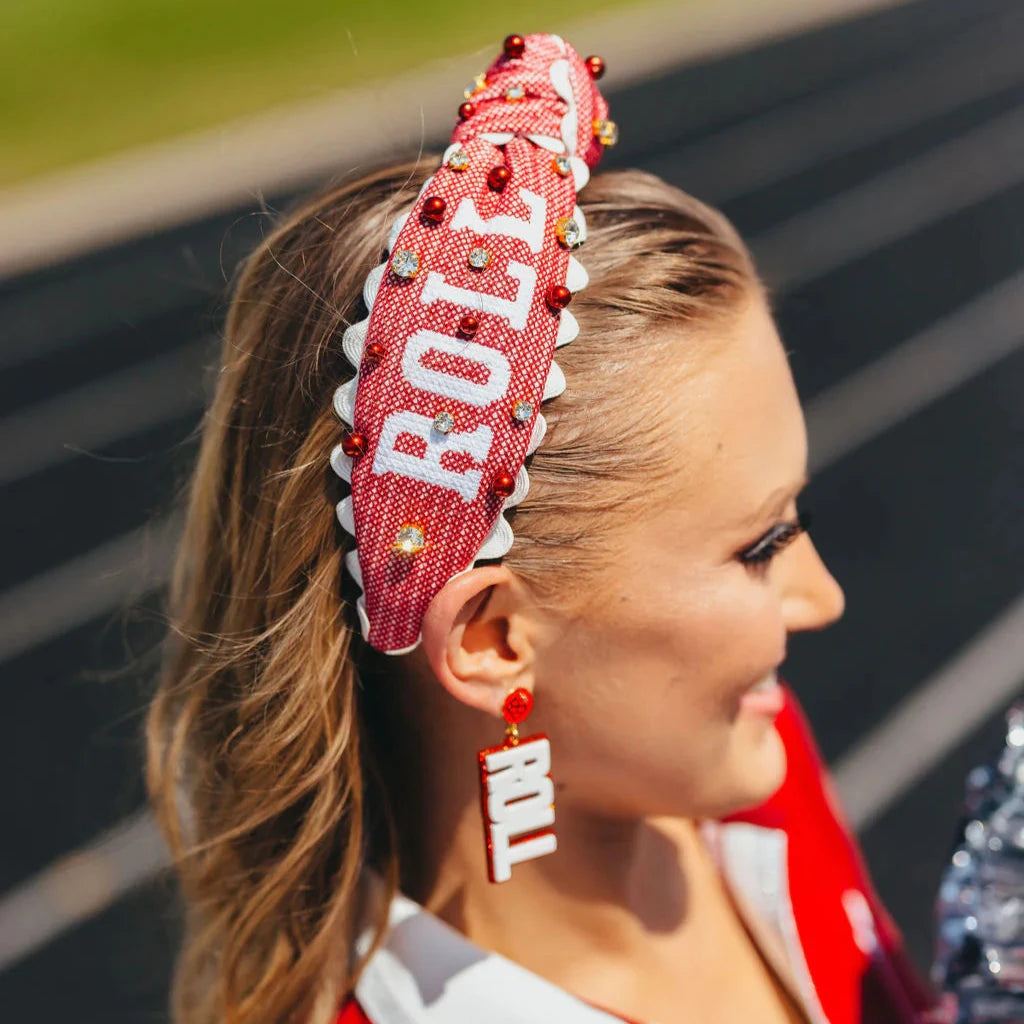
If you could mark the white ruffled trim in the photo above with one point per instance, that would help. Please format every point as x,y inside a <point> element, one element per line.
<point>546,142</point>
<point>341,464</point>
<point>568,329</point>
<point>353,566</point>
<point>372,285</point>
<point>554,385</point>
<point>352,345</point>
<point>345,401</point>
<point>576,278</point>
<point>500,538</point>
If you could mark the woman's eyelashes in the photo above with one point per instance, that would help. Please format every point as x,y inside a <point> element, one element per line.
<point>760,554</point>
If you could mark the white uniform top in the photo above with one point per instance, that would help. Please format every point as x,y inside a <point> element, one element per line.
<point>426,972</point>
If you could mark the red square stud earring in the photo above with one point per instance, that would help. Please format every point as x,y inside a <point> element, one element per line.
<point>516,793</point>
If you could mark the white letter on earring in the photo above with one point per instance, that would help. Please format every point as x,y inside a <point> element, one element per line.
<point>520,800</point>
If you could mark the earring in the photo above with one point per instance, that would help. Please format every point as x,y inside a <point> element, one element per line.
<point>516,793</point>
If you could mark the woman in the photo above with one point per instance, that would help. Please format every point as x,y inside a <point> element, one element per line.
<point>315,742</point>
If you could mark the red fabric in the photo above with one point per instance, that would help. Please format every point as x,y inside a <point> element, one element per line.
<point>352,1013</point>
<point>824,861</point>
<point>398,588</point>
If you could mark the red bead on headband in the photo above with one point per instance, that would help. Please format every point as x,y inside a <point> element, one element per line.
<point>457,353</point>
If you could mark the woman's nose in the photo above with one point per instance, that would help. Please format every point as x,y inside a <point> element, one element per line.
<point>812,597</point>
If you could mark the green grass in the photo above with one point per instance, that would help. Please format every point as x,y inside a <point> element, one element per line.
<point>80,79</point>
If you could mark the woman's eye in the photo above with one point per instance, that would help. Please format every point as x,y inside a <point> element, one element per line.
<point>760,554</point>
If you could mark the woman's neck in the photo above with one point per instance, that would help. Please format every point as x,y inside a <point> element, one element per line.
<point>630,915</point>
<point>614,895</point>
<point>634,918</point>
<point>615,889</point>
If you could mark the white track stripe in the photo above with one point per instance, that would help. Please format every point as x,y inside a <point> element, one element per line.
<point>94,584</point>
<point>983,678</point>
<point>102,411</point>
<point>893,205</point>
<point>76,887</point>
<point>796,136</point>
<point>916,372</point>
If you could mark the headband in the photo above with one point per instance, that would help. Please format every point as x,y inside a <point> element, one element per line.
<point>457,353</point>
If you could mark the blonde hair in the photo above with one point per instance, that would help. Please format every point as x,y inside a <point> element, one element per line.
<point>261,768</point>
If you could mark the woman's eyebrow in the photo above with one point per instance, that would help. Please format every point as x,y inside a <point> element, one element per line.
<point>773,504</point>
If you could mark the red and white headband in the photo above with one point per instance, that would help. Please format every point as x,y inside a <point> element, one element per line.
<point>457,353</point>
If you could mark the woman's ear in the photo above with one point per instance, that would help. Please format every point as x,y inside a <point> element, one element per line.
<point>477,636</point>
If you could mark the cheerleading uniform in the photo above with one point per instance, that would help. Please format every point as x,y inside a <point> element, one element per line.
<point>796,875</point>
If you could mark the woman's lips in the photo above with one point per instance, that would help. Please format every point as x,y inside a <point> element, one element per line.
<point>765,697</point>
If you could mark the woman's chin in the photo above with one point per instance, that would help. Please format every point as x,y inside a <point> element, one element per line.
<point>759,769</point>
<point>770,772</point>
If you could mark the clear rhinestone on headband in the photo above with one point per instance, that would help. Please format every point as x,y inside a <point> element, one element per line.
<point>562,165</point>
<point>409,540</point>
<point>514,92</point>
<point>569,233</point>
<point>479,82</point>
<point>479,258</point>
<point>443,422</point>
<point>522,410</point>
<point>606,132</point>
<point>405,263</point>
<point>458,160</point>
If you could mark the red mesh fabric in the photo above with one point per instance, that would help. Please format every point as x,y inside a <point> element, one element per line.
<point>457,520</point>
<point>542,110</point>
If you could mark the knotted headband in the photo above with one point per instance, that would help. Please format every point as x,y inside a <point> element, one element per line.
<point>457,353</point>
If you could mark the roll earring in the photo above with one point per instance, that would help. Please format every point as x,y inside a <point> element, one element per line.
<point>516,793</point>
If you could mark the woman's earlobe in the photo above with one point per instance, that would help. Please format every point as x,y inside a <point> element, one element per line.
<point>473,637</point>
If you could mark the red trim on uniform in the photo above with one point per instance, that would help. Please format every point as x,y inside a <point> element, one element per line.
<point>352,1013</point>
<point>616,1014</point>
